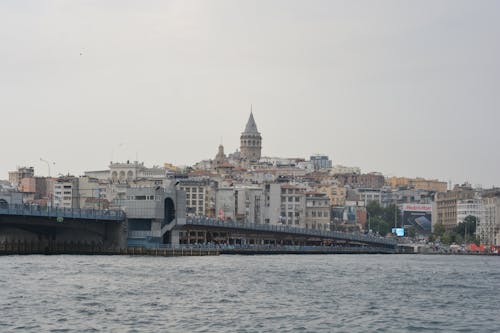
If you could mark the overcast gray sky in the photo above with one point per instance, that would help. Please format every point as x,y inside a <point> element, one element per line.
<point>407,88</point>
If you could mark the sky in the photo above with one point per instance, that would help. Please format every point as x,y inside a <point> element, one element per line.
<point>406,88</point>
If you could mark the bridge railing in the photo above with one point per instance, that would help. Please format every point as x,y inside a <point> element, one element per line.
<point>291,230</point>
<point>80,213</point>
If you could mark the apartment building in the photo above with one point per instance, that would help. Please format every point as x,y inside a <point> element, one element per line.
<point>445,205</point>
<point>318,211</point>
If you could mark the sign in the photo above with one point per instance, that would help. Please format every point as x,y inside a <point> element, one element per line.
<point>418,216</point>
<point>416,207</point>
<point>400,232</point>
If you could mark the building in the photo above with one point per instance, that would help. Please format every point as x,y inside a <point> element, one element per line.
<point>250,142</point>
<point>197,196</point>
<point>15,177</point>
<point>320,162</point>
<point>132,172</point>
<point>445,207</point>
<point>220,159</point>
<point>293,204</point>
<point>368,195</point>
<point>93,193</point>
<point>336,194</point>
<point>66,192</point>
<point>373,180</point>
<point>469,207</point>
<point>9,195</point>
<point>417,184</point>
<point>318,211</point>
<point>403,196</point>
<point>488,226</point>
<point>340,169</point>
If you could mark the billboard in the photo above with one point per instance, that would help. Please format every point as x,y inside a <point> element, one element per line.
<point>418,216</point>
<point>400,232</point>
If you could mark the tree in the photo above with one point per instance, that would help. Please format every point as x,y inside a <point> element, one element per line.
<point>411,232</point>
<point>447,238</point>
<point>439,230</point>
<point>381,219</point>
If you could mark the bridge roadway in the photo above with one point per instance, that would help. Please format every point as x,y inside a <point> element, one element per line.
<point>292,231</point>
<point>64,213</point>
<point>51,227</point>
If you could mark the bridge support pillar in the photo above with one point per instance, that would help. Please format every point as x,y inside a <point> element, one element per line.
<point>174,237</point>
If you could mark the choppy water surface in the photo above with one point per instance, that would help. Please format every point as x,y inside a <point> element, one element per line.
<point>330,293</point>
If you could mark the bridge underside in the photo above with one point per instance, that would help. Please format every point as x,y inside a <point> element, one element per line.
<point>190,234</point>
<point>33,230</point>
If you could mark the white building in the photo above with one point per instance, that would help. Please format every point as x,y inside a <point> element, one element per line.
<point>466,207</point>
<point>293,204</point>
<point>368,195</point>
<point>488,227</point>
<point>340,169</point>
<point>66,192</point>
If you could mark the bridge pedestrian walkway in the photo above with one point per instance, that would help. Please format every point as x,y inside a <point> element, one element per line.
<point>208,222</point>
<point>64,213</point>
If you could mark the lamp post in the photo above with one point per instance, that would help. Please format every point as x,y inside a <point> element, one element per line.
<point>369,222</point>
<point>51,191</point>
<point>48,164</point>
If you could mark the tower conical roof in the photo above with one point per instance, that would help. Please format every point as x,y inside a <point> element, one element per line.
<point>251,126</point>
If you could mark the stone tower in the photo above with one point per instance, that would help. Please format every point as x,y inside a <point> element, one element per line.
<point>250,142</point>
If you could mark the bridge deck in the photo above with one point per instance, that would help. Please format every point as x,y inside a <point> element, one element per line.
<point>206,222</point>
<point>66,213</point>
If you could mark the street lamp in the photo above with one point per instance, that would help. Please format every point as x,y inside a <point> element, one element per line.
<point>48,164</point>
<point>50,192</point>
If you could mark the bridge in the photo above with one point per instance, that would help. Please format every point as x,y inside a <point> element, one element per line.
<point>108,229</point>
<point>48,228</point>
<point>284,230</point>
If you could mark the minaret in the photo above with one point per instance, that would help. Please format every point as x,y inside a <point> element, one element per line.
<point>250,141</point>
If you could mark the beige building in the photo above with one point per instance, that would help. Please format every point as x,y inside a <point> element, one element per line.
<point>15,177</point>
<point>445,205</point>
<point>417,184</point>
<point>197,196</point>
<point>317,211</point>
<point>336,194</point>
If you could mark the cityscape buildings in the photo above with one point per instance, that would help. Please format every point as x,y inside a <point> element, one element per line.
<point>247,187</point>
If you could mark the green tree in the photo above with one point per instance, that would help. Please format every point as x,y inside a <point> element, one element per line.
<point>447,238</point>
<point>439,229</point>
<point>432,238</point>
<point>382,219</point>
<point>411,232</point>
